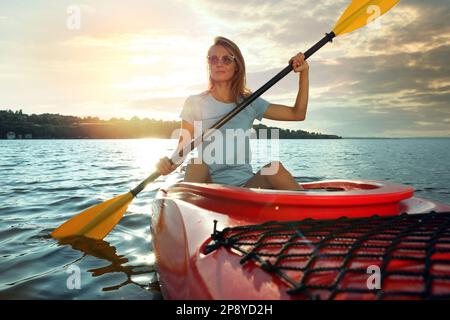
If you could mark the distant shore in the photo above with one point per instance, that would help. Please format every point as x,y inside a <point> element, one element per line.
<point>342,138</point>
<point>17,125</point>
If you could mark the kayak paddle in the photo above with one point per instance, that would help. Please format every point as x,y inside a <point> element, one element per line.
<point>97,221</point>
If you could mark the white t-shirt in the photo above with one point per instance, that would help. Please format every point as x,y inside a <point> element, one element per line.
<point>227,152</point>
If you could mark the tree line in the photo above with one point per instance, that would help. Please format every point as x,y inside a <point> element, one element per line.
<point>56,126</point>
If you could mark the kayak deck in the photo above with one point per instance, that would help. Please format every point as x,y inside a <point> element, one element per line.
<point>185,216</point>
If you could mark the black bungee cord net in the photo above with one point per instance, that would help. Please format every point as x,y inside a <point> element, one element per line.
<point>336,259</point>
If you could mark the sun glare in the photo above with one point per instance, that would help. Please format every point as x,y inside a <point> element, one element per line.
<point>167,67</point>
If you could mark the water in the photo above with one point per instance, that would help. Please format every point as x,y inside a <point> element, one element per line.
<point>45,182</point>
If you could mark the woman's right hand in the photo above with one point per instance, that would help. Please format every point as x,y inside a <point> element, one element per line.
<point>165,166</point>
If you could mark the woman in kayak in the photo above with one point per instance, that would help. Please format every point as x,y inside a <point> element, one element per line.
<point>227,86</point>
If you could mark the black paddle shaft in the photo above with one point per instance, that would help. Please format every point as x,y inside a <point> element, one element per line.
<point>241,106</point>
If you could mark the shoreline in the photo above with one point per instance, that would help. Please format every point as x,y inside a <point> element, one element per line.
<point>145,138</point>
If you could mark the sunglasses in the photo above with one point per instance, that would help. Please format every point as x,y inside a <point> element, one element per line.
<point>226,60</point>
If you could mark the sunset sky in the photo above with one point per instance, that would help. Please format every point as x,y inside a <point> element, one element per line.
<point>143,58</point>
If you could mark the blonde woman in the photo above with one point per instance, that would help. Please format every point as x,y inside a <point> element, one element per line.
<point>227,87</point>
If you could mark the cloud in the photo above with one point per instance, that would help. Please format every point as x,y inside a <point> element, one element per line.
<point>358,121</point>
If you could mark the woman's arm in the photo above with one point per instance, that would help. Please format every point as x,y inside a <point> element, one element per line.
<point>298,112</point>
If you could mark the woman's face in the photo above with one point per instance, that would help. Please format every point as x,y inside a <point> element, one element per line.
<point>220,71</point>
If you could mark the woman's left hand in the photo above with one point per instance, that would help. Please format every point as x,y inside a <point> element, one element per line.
<point>299,63</point>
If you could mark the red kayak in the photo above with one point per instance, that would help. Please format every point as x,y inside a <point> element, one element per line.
<point>333,240</point>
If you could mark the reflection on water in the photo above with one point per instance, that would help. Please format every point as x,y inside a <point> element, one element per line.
<point>46,182</point>
<point>104,251</point>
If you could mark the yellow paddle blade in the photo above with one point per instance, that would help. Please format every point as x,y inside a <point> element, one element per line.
<point>360,13</point>
<point>97,221</point>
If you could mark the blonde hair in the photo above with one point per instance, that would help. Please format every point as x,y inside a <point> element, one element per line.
<point>239,88</point>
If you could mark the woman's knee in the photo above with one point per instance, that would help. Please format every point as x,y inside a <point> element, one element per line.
<point>197,171</point>
<point>272,168</point>
<point>197,164</point>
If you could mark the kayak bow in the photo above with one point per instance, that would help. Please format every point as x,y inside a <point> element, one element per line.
<point>217,242</point>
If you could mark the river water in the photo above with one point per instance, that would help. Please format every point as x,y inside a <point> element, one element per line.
<point>45,182</point>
